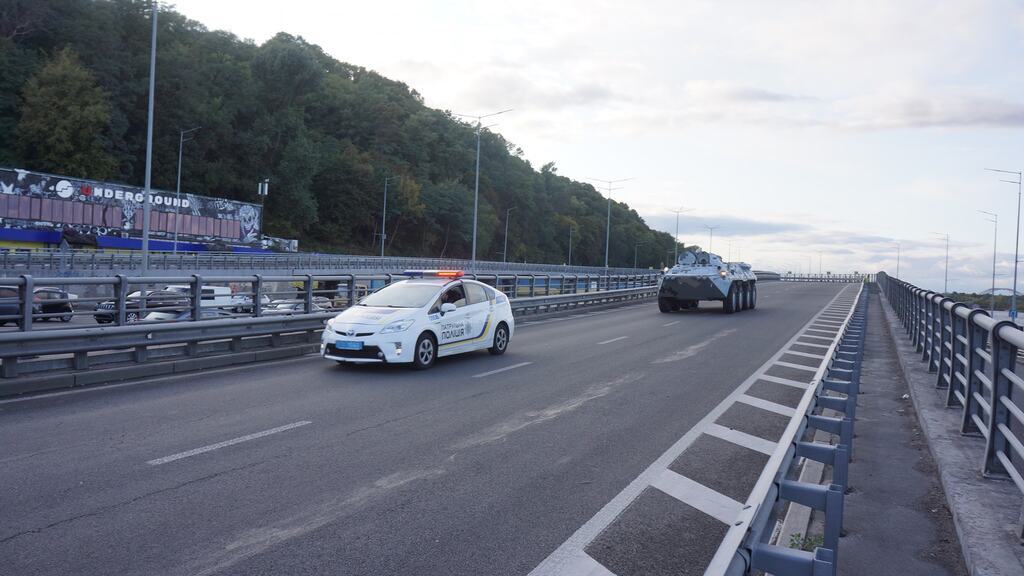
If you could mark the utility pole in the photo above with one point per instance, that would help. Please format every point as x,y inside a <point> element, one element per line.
<point>898,260</point>
<point>177,193</point>
<point>995,238</point>
<point>570,245</point>
<point>635,248</point>
<point>262,190</point>
<point>384,215</point>
<point>1016,247</point>
<point>149,144</point>
<point>608,225</point>
<point>476,184</point>
<point>945,285</point>
<point>675,243</point>
<point>504,251</point>
<point>711,235</point>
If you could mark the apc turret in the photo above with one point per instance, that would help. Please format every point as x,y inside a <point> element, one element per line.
<point>700,275</point>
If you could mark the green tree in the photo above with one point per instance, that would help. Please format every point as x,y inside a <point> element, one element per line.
<point>64,116</point>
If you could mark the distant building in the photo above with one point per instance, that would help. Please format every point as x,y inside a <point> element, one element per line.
<point>43,210</point>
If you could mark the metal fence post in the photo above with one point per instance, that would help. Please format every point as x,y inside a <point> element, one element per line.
<point>197,297</point>
<point>121,297</point>
<point>27,294</point>
<point>977,340</point>
<point>307,285</point>
<point>1004,357</point>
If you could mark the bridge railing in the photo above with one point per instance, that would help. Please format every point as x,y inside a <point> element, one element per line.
<point>974,358</point>
<point>747,546</point>
<point>828,278</point>
<point>121,300</point>
<point>77,262</point>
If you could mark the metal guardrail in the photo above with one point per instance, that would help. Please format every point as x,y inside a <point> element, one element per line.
<point>48,351</point>
<point>828,278</point>
<point>753,551</point>
<point>975,359</point>
<point>121,300</point>
<point>77,262</point>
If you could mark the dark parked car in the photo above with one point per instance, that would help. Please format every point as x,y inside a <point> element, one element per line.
<point>54,301</point>
<point>185,315</point>
<point>106,312</point>
<point>10,306</point>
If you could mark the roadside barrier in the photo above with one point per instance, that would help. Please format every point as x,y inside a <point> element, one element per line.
<point>828,278</point>
<point>974,358</point>
<point>835,387</point>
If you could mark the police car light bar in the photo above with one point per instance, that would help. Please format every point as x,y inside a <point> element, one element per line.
<point>433,273</point>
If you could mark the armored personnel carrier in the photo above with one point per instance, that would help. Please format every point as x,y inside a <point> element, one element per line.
<point>700,275</point>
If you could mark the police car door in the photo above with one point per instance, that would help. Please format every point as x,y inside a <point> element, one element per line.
<point>452,329</point>
<point>478,314</point>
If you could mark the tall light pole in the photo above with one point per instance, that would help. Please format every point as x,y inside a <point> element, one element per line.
<point>945,286</point>
<point>635,249</point>
<point>819,262</point>
<point>177,190</point>
<point>149,144</point>
<point>608,225</point>
<point>995,238</point>
<point>711,235</point>
<point>898,260</point>
<point>504,250</point>
<point>476,184</point>
<point>1016,247</point>
<point>384,214</point>
<point>675,244</point>
<point>570,245</point>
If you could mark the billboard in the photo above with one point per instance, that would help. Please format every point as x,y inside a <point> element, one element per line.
<point>34,201</point>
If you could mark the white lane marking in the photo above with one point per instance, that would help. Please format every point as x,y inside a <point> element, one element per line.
<point>824,346</point>
<point>832,332</point>
<point>673,323</point>
<point>225,443</point>
<point>562,561</point>
<point>797,366</point>
<point>815,337</point>
<point>785,381</point>
<point>693,350</point>
<point>582,564</point>
<point>766,405</point>
<point>708,501</point>
<point>804,354</point>
<point>506,368</point>
<point>613,340</point>
<point>739,438</point>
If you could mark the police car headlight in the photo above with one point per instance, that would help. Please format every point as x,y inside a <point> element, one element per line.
<point>397,326</point>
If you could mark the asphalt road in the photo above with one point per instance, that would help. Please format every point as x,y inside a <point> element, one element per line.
<point>305,467</point>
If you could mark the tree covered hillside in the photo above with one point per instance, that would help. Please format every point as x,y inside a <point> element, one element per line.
<point>73,101</point>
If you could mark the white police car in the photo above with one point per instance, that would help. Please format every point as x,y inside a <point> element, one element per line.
<point>433,313</point>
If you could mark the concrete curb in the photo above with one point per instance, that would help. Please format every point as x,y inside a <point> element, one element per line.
<point>99,376</point>
<point>984,511</point>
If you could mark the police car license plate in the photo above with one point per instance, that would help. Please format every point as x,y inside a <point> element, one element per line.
<point>343,345</point>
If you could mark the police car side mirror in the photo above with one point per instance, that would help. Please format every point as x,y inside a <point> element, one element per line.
<point>447,307</point>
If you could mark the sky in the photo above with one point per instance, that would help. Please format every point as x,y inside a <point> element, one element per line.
<point>813,134</point>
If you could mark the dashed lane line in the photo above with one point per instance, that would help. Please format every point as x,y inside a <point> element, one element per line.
<point>673,323</point>
<point>612,340</point>
<point>226,443</point>
<point>505,369</point>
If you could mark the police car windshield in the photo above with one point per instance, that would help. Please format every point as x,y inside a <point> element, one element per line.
<point>402,295</point>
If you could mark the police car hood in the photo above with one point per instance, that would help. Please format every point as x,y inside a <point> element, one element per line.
<point>373,315</point>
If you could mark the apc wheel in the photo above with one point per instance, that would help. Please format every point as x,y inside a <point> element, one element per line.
<point>425,352</point>
<point>665,304</point>
<point>500,340</point>
<point>753,295</point>
<point>731,302</point>
<point>745,296</point>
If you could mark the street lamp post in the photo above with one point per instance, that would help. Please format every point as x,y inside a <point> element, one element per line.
<point>177,190</point>
<point>476,183</point>
<point>711,235</point>
<point>897,260</point>
<point>384,215</point>
<point>995,238</point>
<point>149,144</point>
<point>635,250</point>
<point>608,224</point>
<point>1016,246</point>
<point>504,250</point>
<point>675,244</point>
<point>570,245</point>
<point>945,285</point>
<point>262,190</point>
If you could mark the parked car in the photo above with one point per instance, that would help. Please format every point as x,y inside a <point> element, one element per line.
<point>213,296</point>
<point>55,301</point>
<point>106,312</point>
<point>292,307</point>
<point>184,315</point>
<point>10,305</point>
<point>242,303</point>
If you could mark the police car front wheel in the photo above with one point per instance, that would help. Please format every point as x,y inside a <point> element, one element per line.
<point>500,340</point>
<point>425,352</point>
